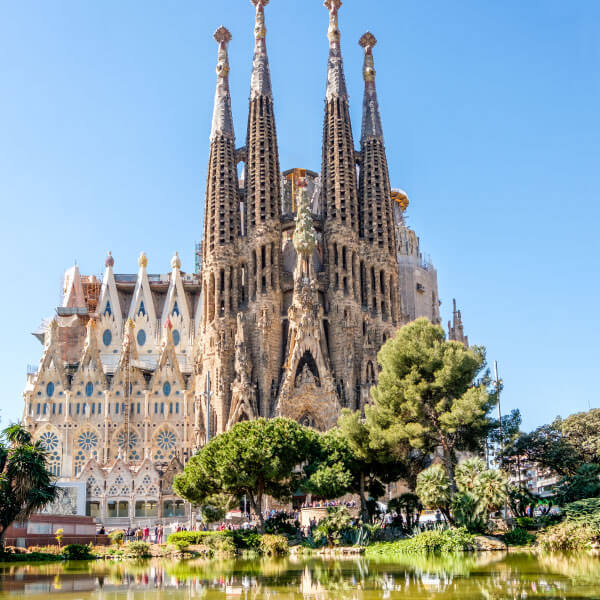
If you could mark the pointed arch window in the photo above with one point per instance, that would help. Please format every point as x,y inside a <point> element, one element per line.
<point>142,309</point>
<point>108,309</point>
<point>175,310</point>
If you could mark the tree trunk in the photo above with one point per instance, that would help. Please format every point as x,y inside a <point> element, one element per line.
<point>449,459</point>
<point>259,496</point>
<point>364,512</point>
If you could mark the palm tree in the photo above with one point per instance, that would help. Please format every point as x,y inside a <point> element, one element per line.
<point>491,490</point>
<point>26,484</point>
<point>435,491</point>
<point>468,472</point>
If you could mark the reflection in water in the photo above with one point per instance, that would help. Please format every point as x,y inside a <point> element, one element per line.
<point>489,576</point>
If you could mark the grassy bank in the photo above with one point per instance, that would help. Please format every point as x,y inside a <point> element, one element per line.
<point>437,541</point>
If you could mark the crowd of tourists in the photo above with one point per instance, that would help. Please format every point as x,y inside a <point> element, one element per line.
<point>145,534</point>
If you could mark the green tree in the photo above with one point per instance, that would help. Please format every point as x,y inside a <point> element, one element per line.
<point>26,484</point>
<point>253,458</point>
<point>546,447</point>
<point>468,472</point>
<point>346,461</point>
<point>428,394</point>
<point>435,491</point>
<point>490,490</point>
<point>585,483</point>
<point>582,431</point>
<point>332,527</point>
<point>479,492</point>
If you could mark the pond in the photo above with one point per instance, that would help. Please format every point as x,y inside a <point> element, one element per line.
<point>489,576</point>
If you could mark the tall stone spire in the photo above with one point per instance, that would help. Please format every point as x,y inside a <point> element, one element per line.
<point>262,198</point>
<point>262,154</point>
<point>261,76</point>
<point>371,124</point>
<point>338,159</point>
<point>336,80</point>
<point>221,250</point>
<point>376,209</point>
<point>340,201</point>
<point>221,216</point>
<point>222,119</point>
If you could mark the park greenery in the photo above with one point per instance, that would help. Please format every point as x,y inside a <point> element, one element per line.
<point>433,404</point>
<point>429,425</point>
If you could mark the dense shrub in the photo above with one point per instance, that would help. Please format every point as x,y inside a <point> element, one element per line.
<point>117,536</point>
<point>77,552</point>
<point>582,508</point>
<point>181,545</point>
<point>274,545</point>
<point>332,528</point>
<point>525,522</point>
<point>467,513</point>
<point>433,541</point>
<point>281,523</point>
<point>568,535</point>
<point>221,543</point>
<point>246,539</point>
<point>191,537</point>
<point>28,557</point>
<point>518,537</point>
<point>138,549</point>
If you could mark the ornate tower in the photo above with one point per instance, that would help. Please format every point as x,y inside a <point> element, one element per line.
<point>221,265</point>
<point>378,260</point>
<point>340,199</point>
<point>263,225</point>
<point>308,391</point>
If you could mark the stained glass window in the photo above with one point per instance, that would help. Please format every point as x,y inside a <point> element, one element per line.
<point>166,388</point>
<point>142,310</point>
<point>141,337</point>
<point>87,440</point>
<point>107,337</point>
<point>176,337</point>
<point>175,309</point>
<point>50,389</point>
<point>108,310</point>
<point>49,440</point>
<point>166,440</point>
<point>89,389</point>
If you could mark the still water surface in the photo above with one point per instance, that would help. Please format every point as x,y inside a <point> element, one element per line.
<point>488,576</point>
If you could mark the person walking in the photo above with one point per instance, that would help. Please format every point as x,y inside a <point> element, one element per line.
<point>146,533</point>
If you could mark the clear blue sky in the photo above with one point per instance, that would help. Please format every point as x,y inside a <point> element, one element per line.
<point>492,124</point>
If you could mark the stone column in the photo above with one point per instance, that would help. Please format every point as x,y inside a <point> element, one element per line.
<point>267,273</point>
<point>226,292</point>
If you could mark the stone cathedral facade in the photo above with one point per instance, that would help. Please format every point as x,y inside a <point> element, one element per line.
<point>303,276</point>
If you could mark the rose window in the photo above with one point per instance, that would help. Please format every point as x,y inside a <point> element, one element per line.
<point>49,441</point>
<point>88,440</point>
<point>166,440</point>
<point>130,440</point>
<point>112,491</point>
<point>146,480</point>
<point>119,480</point>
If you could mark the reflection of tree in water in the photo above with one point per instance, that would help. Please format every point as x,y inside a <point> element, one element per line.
<point>492,576</point>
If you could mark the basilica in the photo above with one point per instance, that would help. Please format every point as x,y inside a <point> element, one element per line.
<point>299,280</point>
